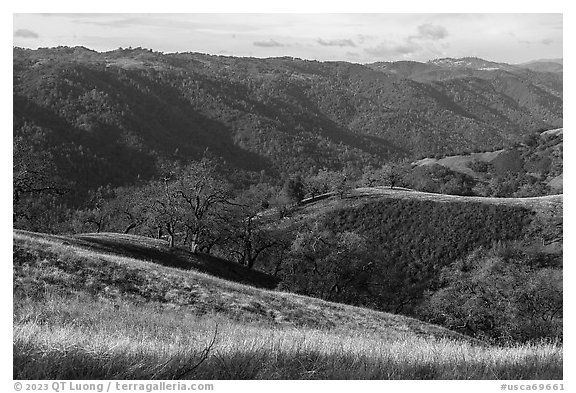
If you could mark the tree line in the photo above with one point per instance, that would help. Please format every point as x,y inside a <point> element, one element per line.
<point>403,256</point>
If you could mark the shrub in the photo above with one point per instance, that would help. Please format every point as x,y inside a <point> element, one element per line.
<point>502,294</point>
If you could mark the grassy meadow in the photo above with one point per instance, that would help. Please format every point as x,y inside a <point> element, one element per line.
<point>87,314</point>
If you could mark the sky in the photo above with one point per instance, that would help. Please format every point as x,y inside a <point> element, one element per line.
<point>353,37</point>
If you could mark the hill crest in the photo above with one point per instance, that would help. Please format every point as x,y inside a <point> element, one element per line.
<point>196,292</point>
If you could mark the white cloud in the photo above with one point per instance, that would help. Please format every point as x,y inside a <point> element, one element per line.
<point>269,44</point>
<point>372,36</point>
<point>433,32</point>
<point>25,33</point>
<point>340,43</point>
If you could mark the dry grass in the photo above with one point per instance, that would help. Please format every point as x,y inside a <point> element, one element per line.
<point>58,264</point>
<point>550,205</point>
<point>460,163</point>
<point>77,338</point>
<point>158,251</point>
<point>79,314</point>
<point>547,203</point>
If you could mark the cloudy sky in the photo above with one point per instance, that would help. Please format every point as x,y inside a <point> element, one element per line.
<point>361,38</point>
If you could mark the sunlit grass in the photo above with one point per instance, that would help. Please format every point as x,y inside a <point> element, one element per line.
<point>66,338</point>
<point>84,315</point>
<point>47,264</point>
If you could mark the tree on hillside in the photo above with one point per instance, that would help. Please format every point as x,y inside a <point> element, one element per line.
<point>317,184</point>
<point>249,238</point>
<point>291,193</point>
<point>164,212</point>
<point>532,139</point>
<point>200,195</point>
<point>187,205</point>
<point>33,178</point>
<point>128,209</point>
<point>293,189</point>
<point>504,186</point>
<point>480,166</point>
<point>440,179</point>
<point>332,266</point>
<point>500,294</point>
<point>339,182</point>
<point>98,215</point>
<point>390,174</point>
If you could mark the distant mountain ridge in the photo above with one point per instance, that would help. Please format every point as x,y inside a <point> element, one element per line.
<point>557,61</point>
<point>471,62</point>
<point>544,65</point>
<point>111,117</point>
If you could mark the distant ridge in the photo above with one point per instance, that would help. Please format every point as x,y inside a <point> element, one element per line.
<point>109,118</point>
<point>471,62</point>
<point>544,65</point>
<point>558,61</point>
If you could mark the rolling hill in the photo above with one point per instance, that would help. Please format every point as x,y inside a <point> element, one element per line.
<point>114,276</point>
<point>544,65</point>
<point>81,313</point>
<point>117,117</point>
<point>545,206</point>
<point>385,248</point>
<point>541,156</point>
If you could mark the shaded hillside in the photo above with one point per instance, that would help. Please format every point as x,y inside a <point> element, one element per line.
<point>545,206</point>
<point>114,117</point>
<point>502,95</point>
<point>63,265</point>
<point>385,248</point>
<point>158,251</point>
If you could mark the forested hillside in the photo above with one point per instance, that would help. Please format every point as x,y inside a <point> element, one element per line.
<point>408,252</point>
<point>533,167</point>
<point>118,117</point>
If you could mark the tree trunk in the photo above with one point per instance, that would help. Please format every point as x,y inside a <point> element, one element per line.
<point>194,246</point>
<point>129,227</point>
<point>278,264</point>
<point>171,236</point>
<point>247,256</point>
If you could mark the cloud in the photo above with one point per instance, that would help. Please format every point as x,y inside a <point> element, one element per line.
<point>121,23</point>
<point>361,38</point>
<point>431,32</point>
<point>545,41</point>
<point>25,33</point>
<point>393,49</point>
<point>340,43</point>
<point>407,49</point>
<point>269,44</point>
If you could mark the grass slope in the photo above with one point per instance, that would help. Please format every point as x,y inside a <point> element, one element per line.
<point>459,163</point>
<point>506,160</point>
<point>62,265</point>
<point>87,314</point>
<point>550,205</point>
<point>537,204</point>
<point>159,252</point>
